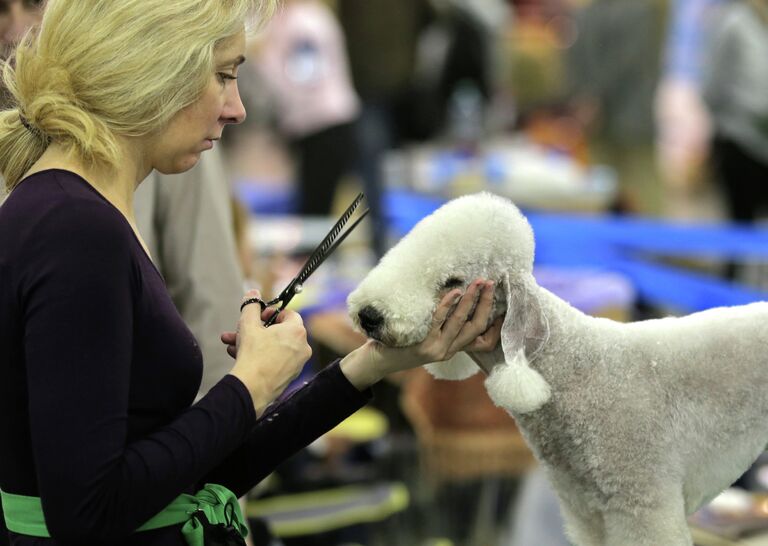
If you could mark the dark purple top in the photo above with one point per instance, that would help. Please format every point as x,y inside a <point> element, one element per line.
<point>98,373</point>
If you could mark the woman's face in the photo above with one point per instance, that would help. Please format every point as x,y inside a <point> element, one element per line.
<point>195,128</point>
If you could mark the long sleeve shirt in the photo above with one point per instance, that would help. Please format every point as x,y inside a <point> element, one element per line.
<point>98,373</point>
<point>186,222</point>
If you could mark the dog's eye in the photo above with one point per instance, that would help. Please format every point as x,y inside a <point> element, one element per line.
<point>453,282</point>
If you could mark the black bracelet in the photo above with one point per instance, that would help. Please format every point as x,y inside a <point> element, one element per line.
<point>261,303</point>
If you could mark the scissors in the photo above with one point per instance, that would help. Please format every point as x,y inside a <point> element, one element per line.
<point>326,247</point>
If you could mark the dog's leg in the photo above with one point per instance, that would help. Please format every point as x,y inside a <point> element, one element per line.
<point>665,524</point>
<point>583,528</point>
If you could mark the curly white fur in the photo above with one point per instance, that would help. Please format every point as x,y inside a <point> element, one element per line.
<point>636,424</point>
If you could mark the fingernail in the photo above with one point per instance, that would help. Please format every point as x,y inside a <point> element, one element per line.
<point>456,298</point>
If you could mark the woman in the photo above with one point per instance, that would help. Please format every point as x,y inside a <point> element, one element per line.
<point>100,443</point>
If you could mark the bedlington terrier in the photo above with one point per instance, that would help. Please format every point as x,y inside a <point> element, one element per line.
<point>636,424</point>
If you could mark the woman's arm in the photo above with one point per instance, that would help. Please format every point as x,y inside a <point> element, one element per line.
<point>342,388</point>
<point>96,482</point>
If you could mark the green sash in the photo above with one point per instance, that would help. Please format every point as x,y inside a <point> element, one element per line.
<point>24,515</point>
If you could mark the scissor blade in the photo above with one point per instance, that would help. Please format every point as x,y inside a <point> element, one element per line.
<point>312,266</point>
<point>321,251</point>
<point>317,255</point>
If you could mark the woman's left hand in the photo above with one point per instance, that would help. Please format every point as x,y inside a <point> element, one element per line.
<point>454,328</point>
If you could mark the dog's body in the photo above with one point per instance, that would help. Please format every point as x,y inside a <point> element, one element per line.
<point>636,424</point>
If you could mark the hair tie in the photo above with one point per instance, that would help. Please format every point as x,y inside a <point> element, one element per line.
<point>32,129</point>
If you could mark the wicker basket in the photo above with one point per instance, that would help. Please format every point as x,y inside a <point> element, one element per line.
<point>462,435</point>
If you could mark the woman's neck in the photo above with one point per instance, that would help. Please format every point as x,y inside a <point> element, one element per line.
<point>115,185</point>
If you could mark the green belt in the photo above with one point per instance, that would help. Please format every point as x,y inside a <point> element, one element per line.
<point>24,515</point>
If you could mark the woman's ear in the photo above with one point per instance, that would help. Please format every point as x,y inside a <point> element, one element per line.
<point>514,385</point>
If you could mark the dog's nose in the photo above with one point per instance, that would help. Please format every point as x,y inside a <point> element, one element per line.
<point>370,319</point>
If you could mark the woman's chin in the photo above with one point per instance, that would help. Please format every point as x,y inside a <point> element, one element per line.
<point>181,165</point>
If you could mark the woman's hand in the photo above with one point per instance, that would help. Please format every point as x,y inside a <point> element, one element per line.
<point>267,359</point>
<point>453,330</point>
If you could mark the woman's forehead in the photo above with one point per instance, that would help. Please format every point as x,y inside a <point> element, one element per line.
<point>231,50</point>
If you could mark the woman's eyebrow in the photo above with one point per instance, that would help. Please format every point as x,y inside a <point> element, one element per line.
<point>237,61</point>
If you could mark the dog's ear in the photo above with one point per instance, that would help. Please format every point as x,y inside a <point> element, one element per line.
<point>515,385</point>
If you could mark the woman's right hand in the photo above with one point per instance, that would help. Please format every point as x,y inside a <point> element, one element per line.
<point>267,359</point>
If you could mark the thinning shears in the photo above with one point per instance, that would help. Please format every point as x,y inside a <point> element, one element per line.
<point>326,247</point>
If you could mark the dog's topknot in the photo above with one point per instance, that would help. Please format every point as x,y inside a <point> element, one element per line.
<point>471,218</point>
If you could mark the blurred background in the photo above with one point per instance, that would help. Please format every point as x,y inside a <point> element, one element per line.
<point>632,133</point>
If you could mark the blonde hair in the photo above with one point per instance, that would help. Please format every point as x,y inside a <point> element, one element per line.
<point>97,69</point>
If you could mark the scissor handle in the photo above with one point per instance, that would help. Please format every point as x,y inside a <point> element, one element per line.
<point>271,320</point>
<point>284,298</point>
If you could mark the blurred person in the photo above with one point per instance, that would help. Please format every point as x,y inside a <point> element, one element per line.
<point>382,38</point>
<point>16,17</point>
<point>735,77</point>
<point>25,14</point>
<point>5,18</point>
<point>734,80</point>
<point>683,121</point>
<point>302,57</point>
<point>102,443</point>
<point>613,69</point>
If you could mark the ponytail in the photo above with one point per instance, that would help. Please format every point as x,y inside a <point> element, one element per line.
<point>20,148</point>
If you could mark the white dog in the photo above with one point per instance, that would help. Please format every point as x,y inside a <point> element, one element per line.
<point>637,425</point>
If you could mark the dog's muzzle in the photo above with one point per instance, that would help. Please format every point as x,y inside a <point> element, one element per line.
<point>370,319</point>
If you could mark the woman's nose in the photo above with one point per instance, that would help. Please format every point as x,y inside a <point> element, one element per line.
<point>234,110</point>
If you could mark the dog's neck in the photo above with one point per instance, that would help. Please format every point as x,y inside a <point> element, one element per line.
<point>562,325</point>
<point>567,328</point>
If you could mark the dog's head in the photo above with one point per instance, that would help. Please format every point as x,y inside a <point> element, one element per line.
<point>476,236</point>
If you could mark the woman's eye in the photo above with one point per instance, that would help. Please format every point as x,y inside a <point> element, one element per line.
<point>224,77</point>
<point>453,282</point>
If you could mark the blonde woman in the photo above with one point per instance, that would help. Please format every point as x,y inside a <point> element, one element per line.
<point>100,442</point>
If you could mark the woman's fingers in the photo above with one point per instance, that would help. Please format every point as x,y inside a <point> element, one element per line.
<point>251,294</point>
<point>285,316</point>
<point>447,321</point>
<point>461,312</point>
<point>252,311</point>
<point>444,309</point>
<point>480,318</point>
<point>488,340</point>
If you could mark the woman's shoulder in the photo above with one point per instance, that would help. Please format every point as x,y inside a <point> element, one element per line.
<point>59,207</point>
<point>54,184</point>
<point>60,191</point>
